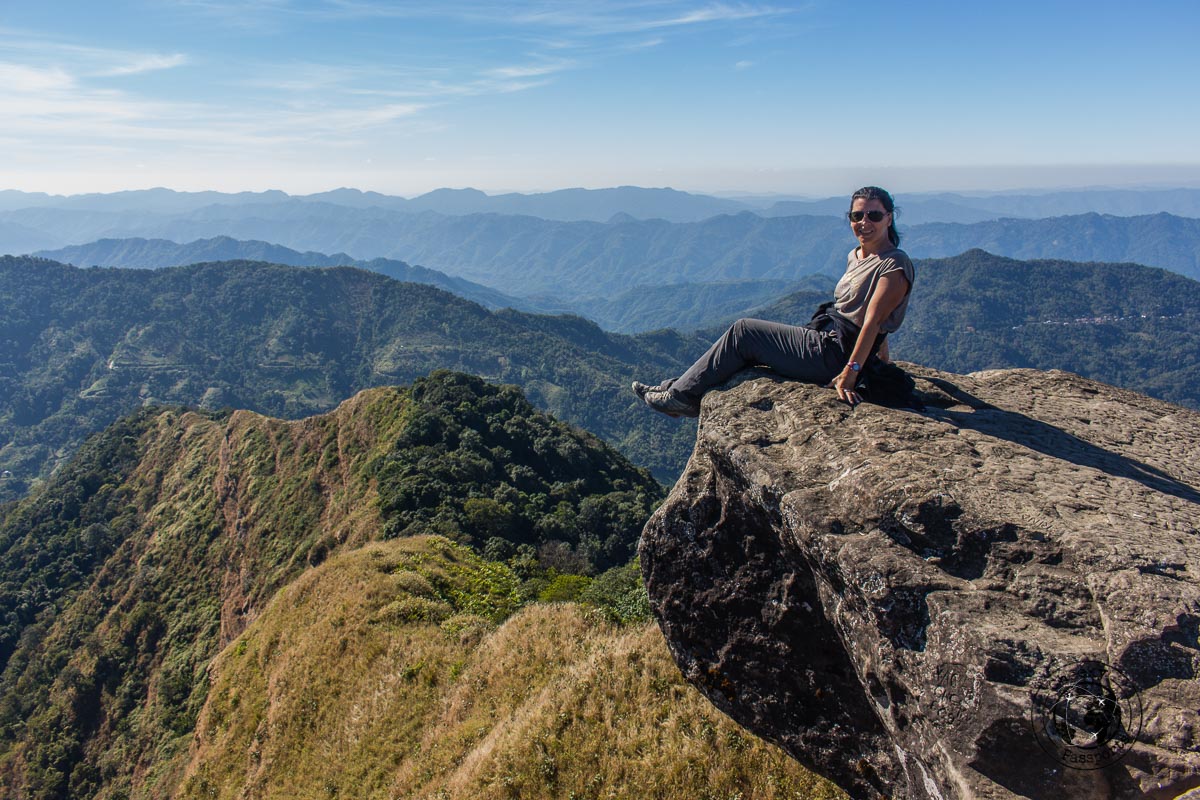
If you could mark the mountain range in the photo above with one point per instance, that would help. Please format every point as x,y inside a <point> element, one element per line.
<point>600,205</point>
<point>563,204</point>
<point>583,265</point>
<point>80,347</point>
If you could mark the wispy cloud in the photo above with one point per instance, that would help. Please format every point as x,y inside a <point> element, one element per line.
<point>527,71</point>
<point>23,79</point>
<point>431,86</point>
<point>576,17</point>
<point>46,108</point>
<point>645,44</point>
<point>147,63</point>
<point>601,19</point>
<point>38,52</point>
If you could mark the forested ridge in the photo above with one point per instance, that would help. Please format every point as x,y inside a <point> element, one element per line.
<point>80,347</point>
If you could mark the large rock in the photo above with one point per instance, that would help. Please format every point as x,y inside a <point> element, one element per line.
<point>996,597</point>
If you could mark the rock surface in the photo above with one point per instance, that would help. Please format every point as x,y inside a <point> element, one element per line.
<point>996,597</point>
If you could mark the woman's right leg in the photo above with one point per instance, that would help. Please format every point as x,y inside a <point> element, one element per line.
<point>795,352</point>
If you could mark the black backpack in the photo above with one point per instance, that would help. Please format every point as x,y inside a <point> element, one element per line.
<point>885,384</point>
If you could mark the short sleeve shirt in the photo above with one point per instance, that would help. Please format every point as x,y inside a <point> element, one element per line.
<point>853,292</point>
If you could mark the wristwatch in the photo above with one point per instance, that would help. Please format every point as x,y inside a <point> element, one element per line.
<point>855,366</point>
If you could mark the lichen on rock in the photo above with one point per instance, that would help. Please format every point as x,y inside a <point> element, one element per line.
<point>996,597</point>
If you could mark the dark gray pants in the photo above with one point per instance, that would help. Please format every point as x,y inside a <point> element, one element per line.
<point>794,352</point>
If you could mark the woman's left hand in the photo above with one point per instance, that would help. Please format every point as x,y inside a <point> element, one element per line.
<point>845,384</point>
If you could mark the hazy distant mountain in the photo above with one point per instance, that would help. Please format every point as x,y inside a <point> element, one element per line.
<point>11,199</point>
<point>913,211</point>
<point>684,306</point>
<point>517,255</point>
<point>582,204</point>
<point>158,253</point>
<point>1179,202</point>
<point>689,306</point>
<point>919,209</point>
<point>17,238</point>
<point>152,200</point>
<point>585,261</point>
<point>596,205</point>
<point>1160,240</point>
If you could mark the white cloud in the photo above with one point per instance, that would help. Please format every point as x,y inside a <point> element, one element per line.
<point>596,19</point>
<point>529,71</point>
<point>22,79</point>
<point>49,111</point>
<point>147,63</point>
<point>743,65</point>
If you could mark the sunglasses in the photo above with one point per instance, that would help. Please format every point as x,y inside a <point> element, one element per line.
<point>874,216</point>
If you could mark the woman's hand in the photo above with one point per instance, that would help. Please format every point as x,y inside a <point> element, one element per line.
<point>844,383</point>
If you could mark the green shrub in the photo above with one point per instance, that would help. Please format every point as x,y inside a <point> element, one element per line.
<point>412,609</point>
<point>619,594</point>
<point>564,589</point>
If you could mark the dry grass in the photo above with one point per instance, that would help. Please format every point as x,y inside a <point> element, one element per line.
<point>325,696</point>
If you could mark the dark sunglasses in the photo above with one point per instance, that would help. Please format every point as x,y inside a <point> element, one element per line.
<point>874,216</point>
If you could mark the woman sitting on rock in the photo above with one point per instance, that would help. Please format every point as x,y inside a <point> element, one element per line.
<point>869,302</point>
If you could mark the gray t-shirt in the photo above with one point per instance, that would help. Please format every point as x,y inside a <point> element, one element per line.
<point>853,292</point>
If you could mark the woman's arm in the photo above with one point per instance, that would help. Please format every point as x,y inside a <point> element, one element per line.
<point>889,291</point>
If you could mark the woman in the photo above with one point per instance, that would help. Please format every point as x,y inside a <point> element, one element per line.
<point>869,302</point>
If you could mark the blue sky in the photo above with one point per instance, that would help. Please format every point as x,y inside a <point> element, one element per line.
<point>801,98</point>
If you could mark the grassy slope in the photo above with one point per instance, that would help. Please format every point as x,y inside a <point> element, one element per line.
<point>110,686</point>
<point>109,637</point>
<point>368,678</point>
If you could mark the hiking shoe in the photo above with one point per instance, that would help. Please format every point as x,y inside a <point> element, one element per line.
<point>669,403</point>
<point>640,389</point>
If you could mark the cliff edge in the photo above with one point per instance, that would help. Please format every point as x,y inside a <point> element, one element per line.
<point>997,597</point>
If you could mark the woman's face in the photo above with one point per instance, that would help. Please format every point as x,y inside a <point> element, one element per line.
<point>871,236</point>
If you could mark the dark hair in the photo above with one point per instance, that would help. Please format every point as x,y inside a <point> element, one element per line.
<point>875,193</point>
